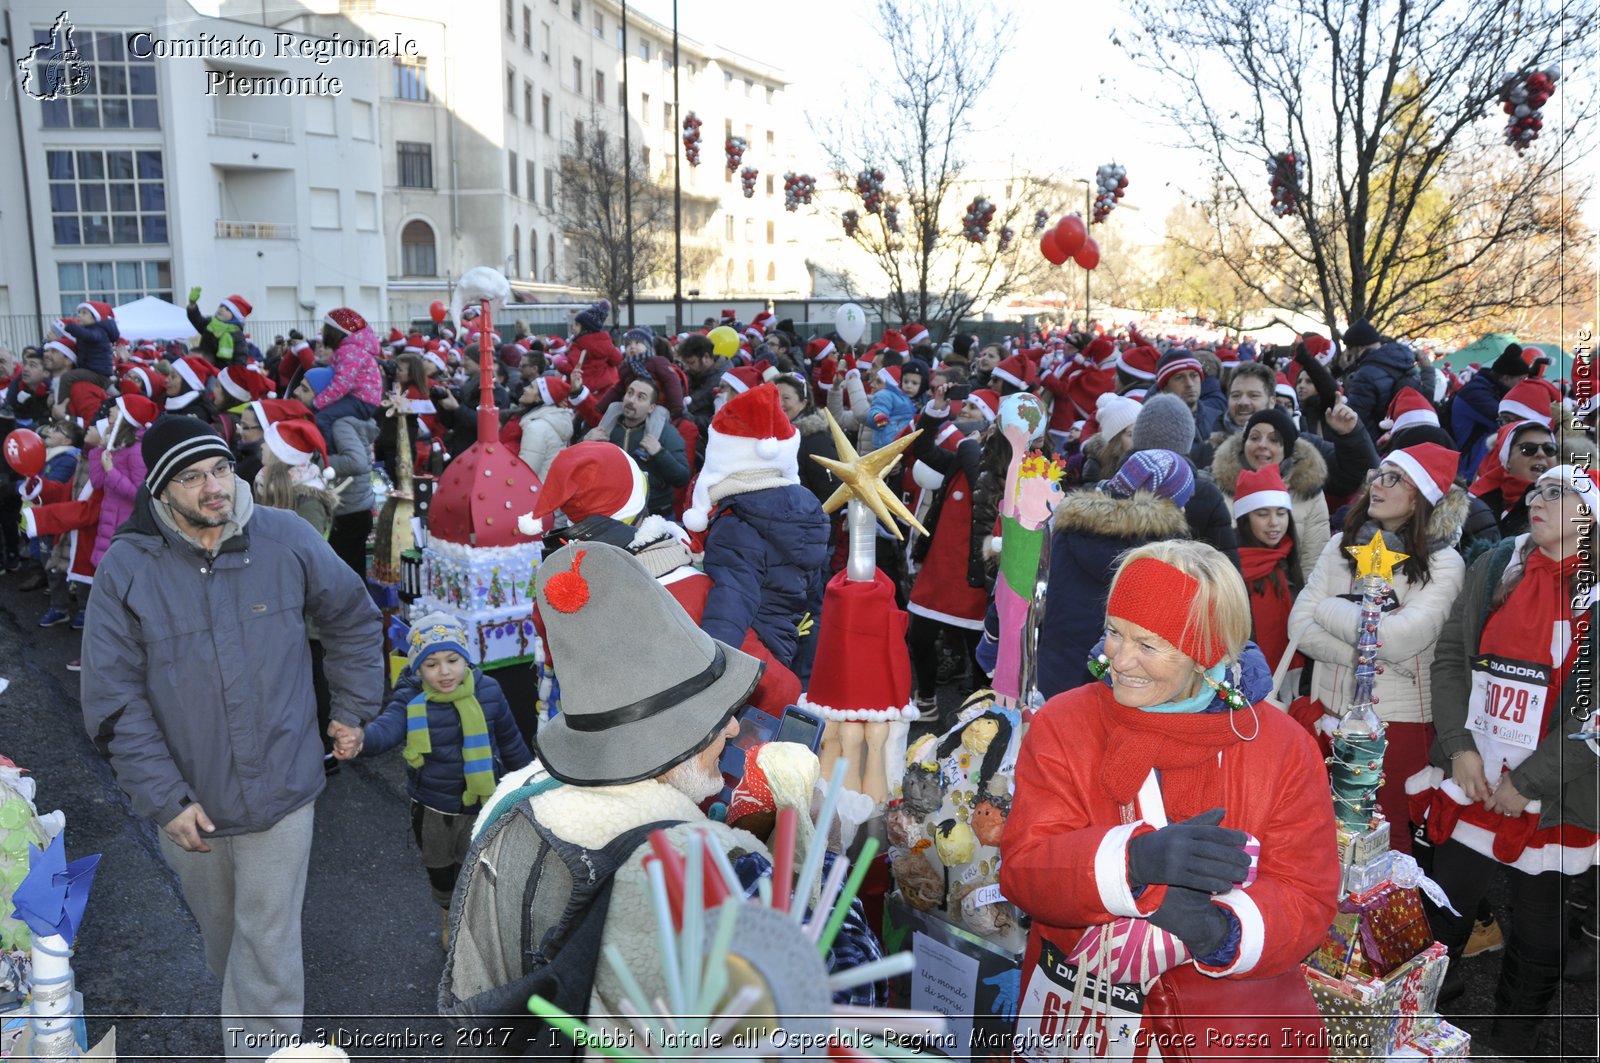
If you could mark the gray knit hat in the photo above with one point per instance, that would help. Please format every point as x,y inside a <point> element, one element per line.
<point>1165,423</point>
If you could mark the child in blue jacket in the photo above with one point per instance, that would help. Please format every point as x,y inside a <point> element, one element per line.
<point>459,738</point>
<point>891,408</point>
<point>95,330</point>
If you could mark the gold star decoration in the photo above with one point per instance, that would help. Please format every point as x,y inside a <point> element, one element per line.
<point>1375,559</point>
<point>861,476</point>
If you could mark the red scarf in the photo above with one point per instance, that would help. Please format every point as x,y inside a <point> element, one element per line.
<point>1258,562</point>
<point>1182,746</point>
<point>1521,628</point>
<point>1492,475</point>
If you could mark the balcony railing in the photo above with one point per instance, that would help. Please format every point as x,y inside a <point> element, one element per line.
<point>254,230</point>
<point>232,127</point>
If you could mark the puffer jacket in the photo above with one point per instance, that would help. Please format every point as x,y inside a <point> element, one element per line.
<point>1326,623</point>
<point>1475,418</point>
<point>600,360</point>
<point>355,371</point>
<point>767,553</point>
<point>350,457</point>
<point>440,780</point>
<point>816,440</point>
<point>169,692</point>
<point>1374,381</point>
<point>1091,529</point>
<point>888,413</point>
<point>1560,773</point>
<point>94,344</point>
<point>119,488</point>
<point>545,430</point>
<point>1306,478</point>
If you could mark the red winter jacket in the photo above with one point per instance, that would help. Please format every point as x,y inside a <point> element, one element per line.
<point>58,513</point>
<point>600,360</point>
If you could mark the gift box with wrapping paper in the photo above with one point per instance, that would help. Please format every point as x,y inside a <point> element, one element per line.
<point>1367,1016</point>
<point>1434,1039</point>
<point>1374,933</point>
<point>1362,847</point>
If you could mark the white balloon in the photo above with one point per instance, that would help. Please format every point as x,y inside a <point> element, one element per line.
<point>850,322</point>
<point>1522,110</point>
<point>1553,73</point>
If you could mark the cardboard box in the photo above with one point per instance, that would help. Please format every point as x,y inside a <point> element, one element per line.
<point>1368,1016</point>
<point>974,982</point>
<point>1434,1039</point>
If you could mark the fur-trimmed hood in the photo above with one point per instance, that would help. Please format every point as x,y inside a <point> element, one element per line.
<point>1144,516</point>
<point>1448,518</point>
<point>811,424</point>
<point>1306,477</point>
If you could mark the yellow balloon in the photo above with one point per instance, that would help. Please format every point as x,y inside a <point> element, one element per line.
<point>724,341</point>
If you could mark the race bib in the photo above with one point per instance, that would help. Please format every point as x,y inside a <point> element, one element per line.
<point>1508,701</point>
<point>1069,1013</point>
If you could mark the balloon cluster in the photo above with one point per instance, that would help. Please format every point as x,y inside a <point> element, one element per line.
<point>1041,218</point>
<point>734,148</point>
<point>747,180</point>
<point>1007,235</point>
<point>1286,170</point>
<point>1521,96</point>
<point>891,217</point>
<point>691,138</point>
<point>1111,180</point>
<point>798,188</point>
<point>975,225</point>
<point>852,222</point>
<point>1070,239</point>
<point>869,186</point>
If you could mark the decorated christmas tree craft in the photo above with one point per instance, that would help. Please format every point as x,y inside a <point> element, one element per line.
<point>1356,768</point>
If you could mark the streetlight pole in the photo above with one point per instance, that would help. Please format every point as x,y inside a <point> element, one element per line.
<point>627,161</point>
<point>677,188</point>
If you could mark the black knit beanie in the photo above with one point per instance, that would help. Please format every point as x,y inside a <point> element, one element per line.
<point>173,444</point>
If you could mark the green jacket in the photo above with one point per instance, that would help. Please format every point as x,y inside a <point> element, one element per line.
<point>1563,774</point>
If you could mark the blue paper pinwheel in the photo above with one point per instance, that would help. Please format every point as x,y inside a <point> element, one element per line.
<point>52,898</point>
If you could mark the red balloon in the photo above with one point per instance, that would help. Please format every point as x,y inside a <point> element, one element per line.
<point>438,311</point>
<point>1050,249</point>
<point>1087,256</point>
<point>25,452</point>
<point>1070,234</point>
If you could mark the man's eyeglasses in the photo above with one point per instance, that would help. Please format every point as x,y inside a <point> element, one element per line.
<point>222,472</point>
<point>1528,450</point>
<point>1383,479</point>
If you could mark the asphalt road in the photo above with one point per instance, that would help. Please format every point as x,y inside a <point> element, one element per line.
<point>371,930</point>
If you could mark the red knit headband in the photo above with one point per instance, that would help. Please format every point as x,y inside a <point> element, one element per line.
<point>1156,596</point>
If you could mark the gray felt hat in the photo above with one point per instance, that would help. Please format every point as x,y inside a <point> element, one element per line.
<point>626,717</point>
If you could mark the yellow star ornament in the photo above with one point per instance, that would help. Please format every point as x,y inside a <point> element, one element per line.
<point>1375,559</point>
<point>861,476</point>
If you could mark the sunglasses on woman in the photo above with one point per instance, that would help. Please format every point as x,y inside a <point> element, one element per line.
<point>1528,450</point>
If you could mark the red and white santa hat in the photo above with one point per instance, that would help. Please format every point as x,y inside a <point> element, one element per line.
<point>138,409</point>
<point>1140,362</point>
<point>195,371</point>
<point>1281,386</point>
<point>742,378</point>
<point>889,376</point>
<point>895,340</point>
<point>271,411</point>
<point>916,334</point>
<point>345,320</point>
<point>141,379</point>
<point>1261,488</point>
<point>554,345</point>
<point>555,391</point>
<point>750,432</point>
<point>1018,371</point>
<point>987,402</point>
<point>1102,352</point>
<point>1431,468</point>
<point>65,345</point>
<point>819,348</point>
<point>1409,409</point>
<point>827,371</point>
<point>244,384</point>
<point>761,323</point>
<point>238,306</point>
<point>101,311</point>
<point>296,443</point>
<point>432,356</point>
<point>1531,399</point>
<point>592,479</point>
<point>84,400</point>
<point>1583,482</point>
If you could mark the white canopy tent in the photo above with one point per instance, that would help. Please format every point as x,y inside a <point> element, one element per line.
<point>151,318</point>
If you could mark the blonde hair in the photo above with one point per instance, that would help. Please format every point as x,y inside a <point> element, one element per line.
<point>1220,611</point>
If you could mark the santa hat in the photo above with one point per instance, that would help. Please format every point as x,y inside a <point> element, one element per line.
<point>819,348</point>
<point>741,379</point>
<point>1505,437</point>
<point>138,409</point>
<point>592,479</point>
<point>749,432</point>
<point>1282,386</point>
<point>237,306</point>
<point>760,323</point>
<point>344,319</point>
<point>66,345</point>
<point>414,344</point>
<point>1139,362</point>
<point>195,371</point>
<point>895,341</point>
<point>1226,354</point>
<point>245,385</point>
<point>395,337</point>
<point>470,312</point>
<point>729,317</point>
<point>554,391</point>
<point>1101,351</point>
<point>1583,482</point>
<point>988,403</point>
<point>1115,413</point>
<point>296,442</point>
<point>432,356</point>
<point>143,379</point>
<point>1261,488</point>
<point>1409,409</point>
<point>1181,364</point>
<point>554,344</point>
<point>84,401</point>
<point>1318,346</point>
<point>827,370</point>
<point>1017,371</point>
<point>1429,466</point>
<point>889,376</point>
<point>271,411</point>
<point>101,311</point>
<point>916,335</point>
<point>1531,399</point>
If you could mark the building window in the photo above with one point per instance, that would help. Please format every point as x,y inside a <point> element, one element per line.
<point>769,184</point>
<point>749,88</point>
<point>644,105</point>
<point>512,179</point>
<point>729,233</point>
<point>622,98</point>
<point>111,282</point>
<point>548,47</point>
<point>511,19</point>
<point>577,76</point>
<point>416,164</point>
<point>550,193</point>
<point>511,91</point>
<point>644,47</point>
<point>527,29</point>
<point>544,110</point>
<point>727,128</point>
<point>577,12</point>
<point>646,159</point>
<point>769,140</point>
<point>411,78</point>
<point>750,273</point>
<point>533,250</point>
<point>121,89</point>
<point>622,42</point>
<point>727,79</point>
<point>533,181</point>
<point>107,197</point>
<point>550,257</point>
<point>693,69</point>
<point>666,116</point>
<point>770,94</point>
<point>577,134</point>
<point>599,25</point>
<point>417,258</point>
<point>599,86</point>
<point>772,272</point>
<point>516,250</point>
<point>527,102</point>
<point>772,232</point>
<point>749,230</point>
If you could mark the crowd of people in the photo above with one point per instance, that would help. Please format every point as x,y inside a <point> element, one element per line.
<point>219,495</point>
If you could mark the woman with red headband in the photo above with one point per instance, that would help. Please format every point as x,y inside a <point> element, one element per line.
<point>1170,837</point>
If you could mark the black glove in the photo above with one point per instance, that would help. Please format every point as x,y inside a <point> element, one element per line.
<point>1189,916</point>
<point>1195,853</point>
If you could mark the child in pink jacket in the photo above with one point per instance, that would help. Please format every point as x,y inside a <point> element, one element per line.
<point>357,387</point>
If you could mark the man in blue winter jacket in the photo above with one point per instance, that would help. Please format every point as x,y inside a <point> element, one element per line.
<point>1475,410</point>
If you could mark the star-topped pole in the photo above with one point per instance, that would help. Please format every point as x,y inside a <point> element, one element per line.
<point>1375,560</point>
<point>861,478</point>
